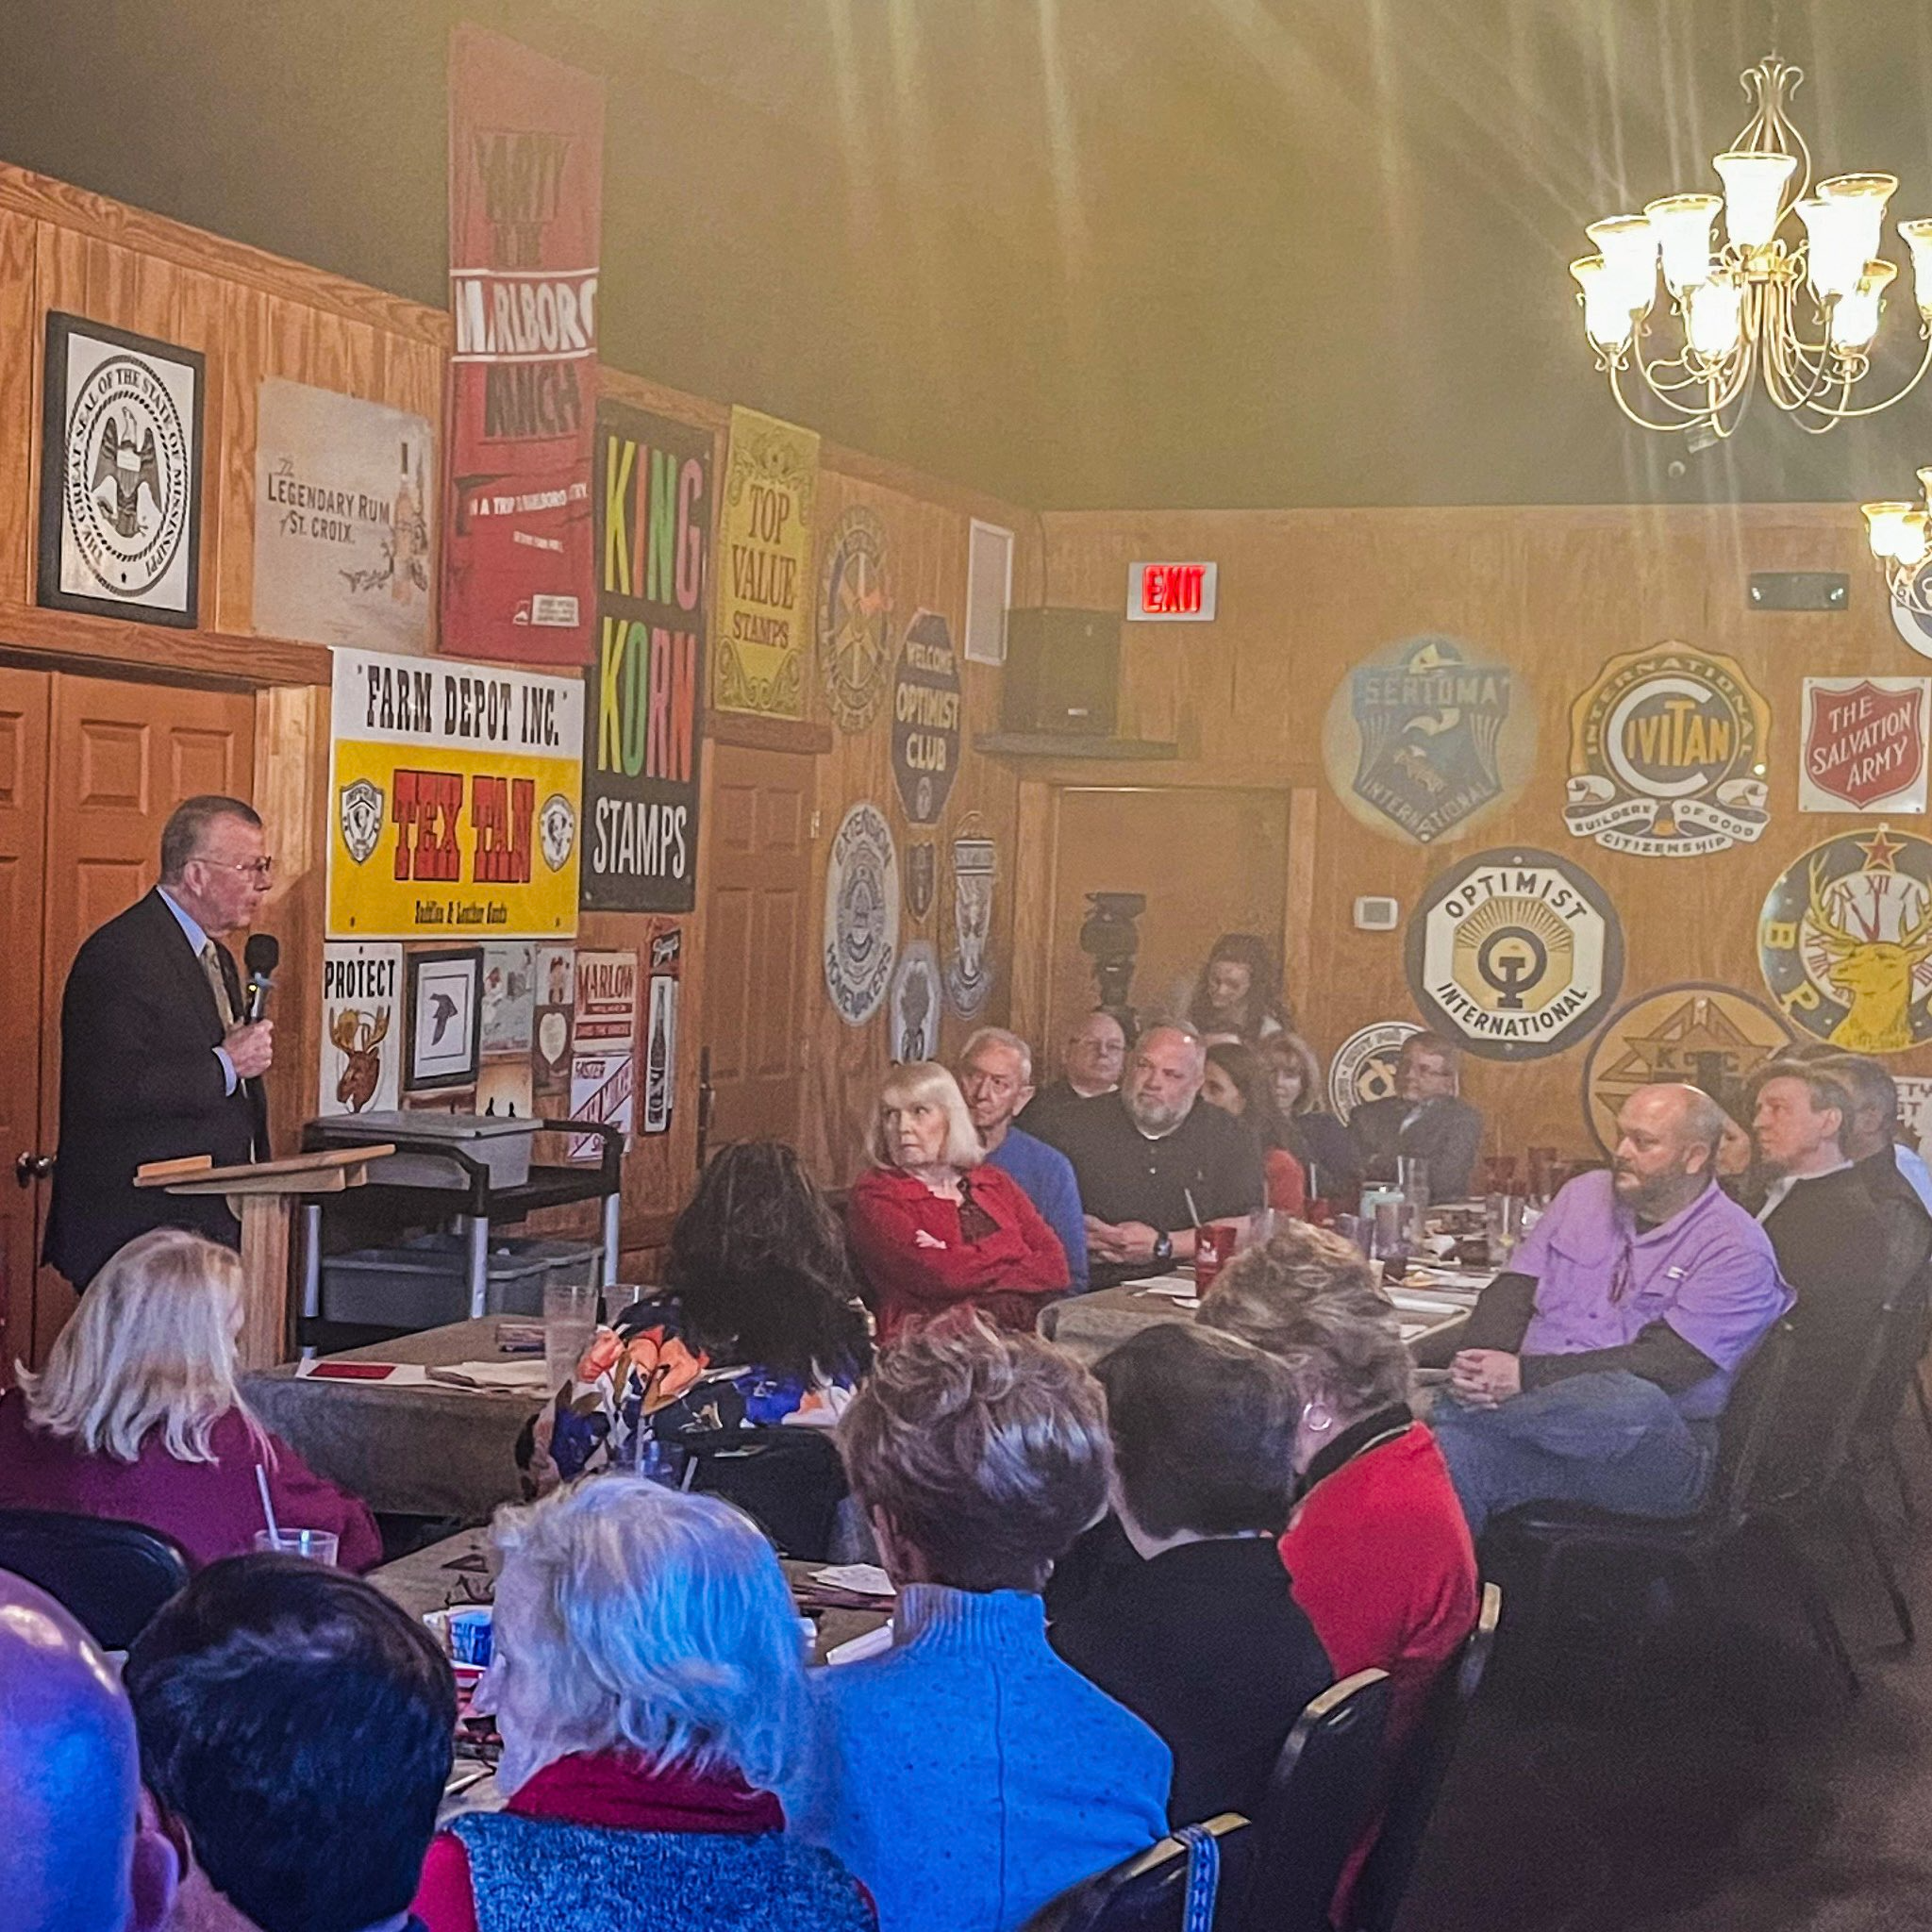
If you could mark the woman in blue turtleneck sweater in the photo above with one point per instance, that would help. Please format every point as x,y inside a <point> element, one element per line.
<point>968,1775</point>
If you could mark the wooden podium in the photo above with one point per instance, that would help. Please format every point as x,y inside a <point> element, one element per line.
<point>263,1194</point>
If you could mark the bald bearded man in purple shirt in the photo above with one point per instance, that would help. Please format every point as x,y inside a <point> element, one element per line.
<point>1594,1370</point>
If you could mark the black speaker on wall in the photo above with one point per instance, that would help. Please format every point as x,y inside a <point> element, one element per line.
<point>1063,670</point>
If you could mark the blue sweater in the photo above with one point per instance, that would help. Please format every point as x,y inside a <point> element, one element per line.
<point>1046,1177</point>
<point>967,1775</point>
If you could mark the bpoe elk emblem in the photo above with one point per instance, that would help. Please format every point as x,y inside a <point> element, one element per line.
<point>359,1036</point>
<point>1845,942</point>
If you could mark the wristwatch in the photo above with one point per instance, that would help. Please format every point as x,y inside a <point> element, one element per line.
<point>1163,1247</point>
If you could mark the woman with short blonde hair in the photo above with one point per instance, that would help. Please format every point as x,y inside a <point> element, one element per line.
<point>968,1775</point>
<point>933,1225</point>
<point>1377,1547</point>
<point>648,1681</point>
<point>138,1413</point>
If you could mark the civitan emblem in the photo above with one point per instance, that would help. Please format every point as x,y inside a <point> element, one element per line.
<point>1667,755</point>
<point>1845,942</point>
<point>360,810</point>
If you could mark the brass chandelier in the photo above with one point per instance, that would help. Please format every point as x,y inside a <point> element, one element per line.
<point>1901,538</point>
<point>1737,304</point>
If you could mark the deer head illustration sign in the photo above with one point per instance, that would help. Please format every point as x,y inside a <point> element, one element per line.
<point>1845,942</point>
<point>362,1052</point>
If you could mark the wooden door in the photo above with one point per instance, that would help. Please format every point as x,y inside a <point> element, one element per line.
<point>757,931</point>
<point>23,700</point>
<point>1208,863</point>
<point>123,755</point>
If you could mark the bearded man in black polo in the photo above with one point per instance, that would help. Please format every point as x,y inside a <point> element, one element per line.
<point>1154,1163</point>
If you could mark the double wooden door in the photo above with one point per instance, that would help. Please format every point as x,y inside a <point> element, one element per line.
<point>89,768</point>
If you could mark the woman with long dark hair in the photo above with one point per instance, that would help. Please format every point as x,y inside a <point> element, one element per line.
<point>1315,1137</point>
<point>1239,994</point>
<point>758,1322</point>
<point>1238,1084</point>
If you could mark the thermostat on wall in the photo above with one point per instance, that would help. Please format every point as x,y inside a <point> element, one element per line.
<point>1377,915</point>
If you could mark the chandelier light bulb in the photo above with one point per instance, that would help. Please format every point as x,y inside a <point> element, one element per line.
<point>1682,225</point>
<point>1913,539</point>
<point>1714,317</point>
<point>1834,248</point>
<point>1628,248</point>
<point>1864,198</point>
<point>1754,195</point>
<point>1855,320</point>
<point>1917,236</point>
<point>1883,524</point>
<point>1605,313</point>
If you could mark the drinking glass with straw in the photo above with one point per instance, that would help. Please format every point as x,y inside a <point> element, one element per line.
<point>318,1545</point>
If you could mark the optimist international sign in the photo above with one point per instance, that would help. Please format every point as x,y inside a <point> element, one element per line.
<point>455,800</point>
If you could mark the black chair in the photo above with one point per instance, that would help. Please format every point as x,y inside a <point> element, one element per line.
<point>1415,1779</point>
<point>1148,1892</point>
<point>1320,1800</point>
<point>788,1479</point>
<point>111,1576</point>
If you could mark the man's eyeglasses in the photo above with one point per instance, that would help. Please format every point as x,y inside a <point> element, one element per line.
<point>260,869</point>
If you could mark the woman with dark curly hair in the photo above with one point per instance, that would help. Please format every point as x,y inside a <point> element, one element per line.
<point>1237,1083</point>
<point>1239,994</point>
<point>758,1322</point>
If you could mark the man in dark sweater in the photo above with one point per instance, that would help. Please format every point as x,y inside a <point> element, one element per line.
<point>1595,1369</point>
<point>1850,1236</point>
<point>1154,1162</point>
<point>1423,1118</point>
<point>1198,1631</point>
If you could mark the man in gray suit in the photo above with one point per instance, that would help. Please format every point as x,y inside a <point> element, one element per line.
<point>1423,1117</point>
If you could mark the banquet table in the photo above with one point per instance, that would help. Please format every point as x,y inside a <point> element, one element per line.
<point>1087,1326</point>
<point>415,1447</point>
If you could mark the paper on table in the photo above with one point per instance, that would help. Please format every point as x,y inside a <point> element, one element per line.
<point>400,1376</point>
<point>1178,1288</point>
<point>871,1644</point>
<point>521,1377</point>
<point>861,1579</point>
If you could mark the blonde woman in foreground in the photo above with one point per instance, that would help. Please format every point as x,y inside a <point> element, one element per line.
<point>137,1415</point>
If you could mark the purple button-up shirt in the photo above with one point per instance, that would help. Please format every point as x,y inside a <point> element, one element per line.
<point>1709,1271</point>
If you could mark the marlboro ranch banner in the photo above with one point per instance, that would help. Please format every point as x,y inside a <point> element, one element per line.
<point>764,545</point>
<point>526,182</point>
<point>456,799</point>
<point>641,722</point>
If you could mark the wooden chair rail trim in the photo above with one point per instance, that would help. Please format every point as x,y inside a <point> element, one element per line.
<point>751,732</point>
<point>109,643</point>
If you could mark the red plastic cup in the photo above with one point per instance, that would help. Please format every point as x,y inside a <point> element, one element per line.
<point>1213,1250</point>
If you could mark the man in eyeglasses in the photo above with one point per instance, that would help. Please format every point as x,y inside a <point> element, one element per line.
<point>157,1059</point>
<point>1593,1370</point>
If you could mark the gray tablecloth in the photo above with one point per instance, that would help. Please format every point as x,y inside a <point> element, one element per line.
<point>1087,1326</point>
<point>415,1451</point>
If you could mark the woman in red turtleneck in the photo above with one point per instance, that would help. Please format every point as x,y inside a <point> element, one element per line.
<point>648,1682</point>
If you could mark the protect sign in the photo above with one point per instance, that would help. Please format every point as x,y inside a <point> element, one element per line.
<point>455,800</point>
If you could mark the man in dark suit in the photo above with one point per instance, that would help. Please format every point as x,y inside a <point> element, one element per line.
<point>155,1063</point>
<point>1423,1117</point>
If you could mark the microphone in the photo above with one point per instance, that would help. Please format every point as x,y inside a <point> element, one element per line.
<point>262,955</point>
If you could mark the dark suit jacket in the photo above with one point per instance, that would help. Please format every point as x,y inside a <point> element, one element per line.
<point>1206,1644</point>
<point>1447,1134</point>
<point>140,1082</point>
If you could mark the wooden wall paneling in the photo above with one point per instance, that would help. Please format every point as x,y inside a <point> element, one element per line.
<point>1034,898</point>
<point>20,328</point>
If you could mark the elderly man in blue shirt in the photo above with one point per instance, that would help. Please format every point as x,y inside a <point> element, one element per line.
<point>996,1076</point>
<point>1595,1367</point>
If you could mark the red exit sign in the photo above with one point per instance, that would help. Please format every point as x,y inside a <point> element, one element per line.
<point>1170,592</point>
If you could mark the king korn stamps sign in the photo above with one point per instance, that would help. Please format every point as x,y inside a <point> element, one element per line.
<point>1667,755</point>
<point>1845,942</point>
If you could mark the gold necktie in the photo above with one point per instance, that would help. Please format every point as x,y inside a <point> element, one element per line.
<point>218,984</point>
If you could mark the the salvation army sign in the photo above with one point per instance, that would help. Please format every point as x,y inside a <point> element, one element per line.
<point>456,798</point>
<point>1864,744</point>
<point>925,718</point>
<point>1516,954</point>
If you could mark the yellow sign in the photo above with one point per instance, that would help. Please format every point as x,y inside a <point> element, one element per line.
<point>457,793</point>
<point>764,549</point>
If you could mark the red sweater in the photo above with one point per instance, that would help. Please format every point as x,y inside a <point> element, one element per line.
<point>1287,1186</point>
<point>1005,1272</point>
<point>1380,1558</point>
<point>210,1508</point>
<point>605,1788</point>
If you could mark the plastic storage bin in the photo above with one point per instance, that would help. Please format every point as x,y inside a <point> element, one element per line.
<point>502,1145</point>
<point>426,1283</point>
